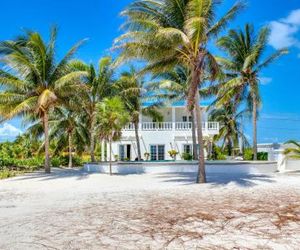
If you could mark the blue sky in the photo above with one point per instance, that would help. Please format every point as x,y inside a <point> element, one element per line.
<point>99,21</point>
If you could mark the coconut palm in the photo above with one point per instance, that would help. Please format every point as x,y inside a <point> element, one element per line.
<point>231,129</point>
<point>67,128</point>
<point>34,82</point>
<point>112,117</point>
<point>165,33</point>
<point>133,91</point>
<point>174,86</point>
<point>99,82</point>
<point>243,66</point>
<point>292,152</point>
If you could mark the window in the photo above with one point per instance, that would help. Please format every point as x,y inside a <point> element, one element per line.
<point>184,119</point>
<point>157,152</point>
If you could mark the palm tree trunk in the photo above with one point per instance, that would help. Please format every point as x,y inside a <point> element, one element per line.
<point>254,117</point>
<point>195,153</point>
<point>92,137</point>
<point>201,178</point>
<point>70,150</point>
<point>46,132</point>
<point>137,138</point>
<point>110,160</point>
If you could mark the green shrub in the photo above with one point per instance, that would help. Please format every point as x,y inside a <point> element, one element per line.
<point>262,156</point>
<point>217,154</point>
<point>248,154</point>
<point>55,162</point>
<point>6,173</point>
<point>187,156</point>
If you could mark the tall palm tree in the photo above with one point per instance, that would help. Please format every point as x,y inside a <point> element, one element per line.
<point>165,33</point>
<point>99,82</point>
<point>112,117</point>
<point>243,66</point>
<point>175,86</point>
<point>34,82</point>
<point>231,130</point>
<point>133,91</point>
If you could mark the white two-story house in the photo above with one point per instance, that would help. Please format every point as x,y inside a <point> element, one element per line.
<point>157,138</point>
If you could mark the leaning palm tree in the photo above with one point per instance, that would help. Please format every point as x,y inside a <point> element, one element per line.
<point>292,152</point>
<point>165,33</point>
<point>243,66</point>
<point>34,82</point>
<point>99,82</point>
<point>134,91</point>
<point>112,117</point>
<point>231,130</point>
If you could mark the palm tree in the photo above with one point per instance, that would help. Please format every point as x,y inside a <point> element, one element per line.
<point>243,67</point>
<point>67,127</point>
<point>175,85</point>
<point>99,83</point>
<point>230,127</point>
<point>133,91</point>
<point>293,152</point>
<point>166,33</point>
<point>34,82</point>
<point>112,117</point>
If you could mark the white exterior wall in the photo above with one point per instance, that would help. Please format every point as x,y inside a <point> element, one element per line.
<point>174,136</point>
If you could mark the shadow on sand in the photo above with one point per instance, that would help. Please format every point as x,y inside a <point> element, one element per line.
<point>241,179</point>
<point>182,178</point>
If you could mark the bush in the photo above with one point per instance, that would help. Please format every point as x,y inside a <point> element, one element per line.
<point>63,161</point>
<point>262,156</point>
<point>6,173</point>
<point>248,154</point>
<point>217,154</point>
<point>187,156</point>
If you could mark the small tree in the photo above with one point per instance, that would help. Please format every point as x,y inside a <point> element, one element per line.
<point>112,117</point>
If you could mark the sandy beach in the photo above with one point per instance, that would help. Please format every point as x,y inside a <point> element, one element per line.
<point>71,209</point>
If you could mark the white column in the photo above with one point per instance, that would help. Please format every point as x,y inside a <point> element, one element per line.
<point>173,118</point>
<point>141,121</point>
<point>102,151</point>
<point>107,152</point>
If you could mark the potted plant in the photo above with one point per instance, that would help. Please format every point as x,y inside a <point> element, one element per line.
<point>173,153</point>
<point>147,156</point>
<point>116,157</point>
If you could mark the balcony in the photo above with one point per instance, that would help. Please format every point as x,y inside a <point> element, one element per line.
<point>170,126</point>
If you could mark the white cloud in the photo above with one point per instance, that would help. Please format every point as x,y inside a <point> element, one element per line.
<point>265,80</point>
<point>284,31</point>
<point>8,131</point>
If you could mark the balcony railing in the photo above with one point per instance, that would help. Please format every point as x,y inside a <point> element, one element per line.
<point>169,126</point>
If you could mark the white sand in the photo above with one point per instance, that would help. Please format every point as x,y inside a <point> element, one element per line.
<point>73,210</point>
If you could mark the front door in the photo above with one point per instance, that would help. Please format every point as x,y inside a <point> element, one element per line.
<point>125,152</point>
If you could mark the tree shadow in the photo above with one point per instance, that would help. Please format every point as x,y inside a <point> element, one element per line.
<point>216,179</point>
<point>56,173</point>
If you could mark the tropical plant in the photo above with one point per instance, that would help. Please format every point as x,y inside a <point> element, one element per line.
<point>166,33</point>
<point>243,66</point>
<point>99,82</point>
<point>294,151</point>
<point>34,82</point>
<point>112,117</point>
<point>133,91</point>
<point>231,130</point>
<point>173,153</point>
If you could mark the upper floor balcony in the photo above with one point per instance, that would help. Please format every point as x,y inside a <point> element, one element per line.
<point>210,127</point>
